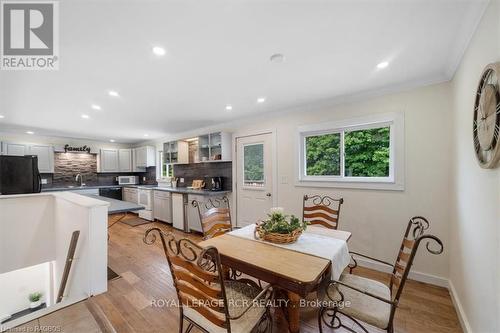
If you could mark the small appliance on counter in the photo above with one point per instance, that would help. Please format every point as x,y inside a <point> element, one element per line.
<point>128,180</point>
<point>216,183</point>
<point>19,175</point>
<point>198,184</point>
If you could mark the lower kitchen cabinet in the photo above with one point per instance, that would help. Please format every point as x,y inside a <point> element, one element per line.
<point>193,217</point>
<point>130,194</point>
<point>178,211</point>
<point>162,206</point>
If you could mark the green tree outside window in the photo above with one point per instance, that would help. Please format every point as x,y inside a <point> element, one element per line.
<point>367,153</point>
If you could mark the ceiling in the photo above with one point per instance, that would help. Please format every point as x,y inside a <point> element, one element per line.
<point>218,53</point>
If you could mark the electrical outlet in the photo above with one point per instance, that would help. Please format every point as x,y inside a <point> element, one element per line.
<point>181,180</point>
<point>44,181</point>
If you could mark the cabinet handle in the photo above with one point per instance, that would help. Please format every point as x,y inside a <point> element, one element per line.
<point>268,194</point>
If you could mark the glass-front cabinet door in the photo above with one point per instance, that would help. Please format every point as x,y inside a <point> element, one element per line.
<point>174,152</point>
<point>215,146</point>
<point>204,147</point>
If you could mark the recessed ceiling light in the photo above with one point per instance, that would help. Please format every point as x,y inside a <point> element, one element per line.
<point>159,51</point>
<point>85,116</point>
<point>113,93</point>
<point>112,140</point>
<point>146,135</point>
<point>261,100</point>
<point>383,65</point>
<point>277,57</point>
<point>229,107</point>
<point>1,116</point>
<point>96,107</point>
<point>30,132</point>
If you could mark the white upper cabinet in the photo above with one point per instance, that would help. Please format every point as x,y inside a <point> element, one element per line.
<point>145,157</point>
<point>15,149</point>
<point>109,161</point>
<point>215,147</point>
<point>45,154</point>
<point>125,160</point>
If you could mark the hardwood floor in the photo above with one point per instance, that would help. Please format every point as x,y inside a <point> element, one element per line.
<point>133,301</point>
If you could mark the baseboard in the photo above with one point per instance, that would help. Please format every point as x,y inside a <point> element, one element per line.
<point>417,276</point>
<point>458,306</point>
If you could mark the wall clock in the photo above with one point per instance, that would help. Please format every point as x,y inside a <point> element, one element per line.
<point>486,128</point>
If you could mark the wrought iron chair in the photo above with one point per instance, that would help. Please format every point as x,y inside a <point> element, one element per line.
<point>322,210</point>
<point>373,302</point>
<point>215,216</point>
<point>207,301</point>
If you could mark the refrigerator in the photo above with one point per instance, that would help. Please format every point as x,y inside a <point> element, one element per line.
<point>19,175</point>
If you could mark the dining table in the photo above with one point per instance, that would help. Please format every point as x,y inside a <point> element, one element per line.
<point>296,273</point>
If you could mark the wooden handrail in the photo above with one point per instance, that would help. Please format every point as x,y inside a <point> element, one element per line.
<point>67,265</point>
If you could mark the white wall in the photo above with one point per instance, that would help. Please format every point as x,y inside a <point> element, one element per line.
<point>26,232</point>
<point>16,286</point>
<point>475,241</point>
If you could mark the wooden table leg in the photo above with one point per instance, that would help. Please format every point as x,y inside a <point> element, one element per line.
<point>293,312</point>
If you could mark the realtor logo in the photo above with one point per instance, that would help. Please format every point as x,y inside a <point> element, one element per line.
<point>30,35</point>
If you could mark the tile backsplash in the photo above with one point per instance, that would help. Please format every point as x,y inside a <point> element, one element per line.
<point>68,165</point>
<point>204,171</point>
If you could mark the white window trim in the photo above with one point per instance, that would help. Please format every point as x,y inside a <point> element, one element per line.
<point>251,187</point>
<point>395,181</point>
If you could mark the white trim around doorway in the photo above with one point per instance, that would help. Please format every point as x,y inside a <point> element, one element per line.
<point>274,154</point>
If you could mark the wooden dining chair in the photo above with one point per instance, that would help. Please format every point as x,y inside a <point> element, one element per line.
<point>215,216</point>
<point>322,210</point>
<point>207,301</point>
<point>370,301</point>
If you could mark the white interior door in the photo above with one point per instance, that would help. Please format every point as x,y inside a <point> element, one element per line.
<point>254,175</point>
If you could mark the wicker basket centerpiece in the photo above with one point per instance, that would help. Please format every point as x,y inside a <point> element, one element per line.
<point>279,228</point>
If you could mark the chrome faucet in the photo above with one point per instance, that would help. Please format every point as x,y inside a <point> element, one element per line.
<point>80,177</point>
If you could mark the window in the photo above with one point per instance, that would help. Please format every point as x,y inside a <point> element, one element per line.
<point>166,170</point>
<point>323,155</point>
<point>359,153</point>
<point>253,165</point>
<point>367,152</point>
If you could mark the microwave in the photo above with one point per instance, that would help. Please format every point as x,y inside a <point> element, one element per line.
<point>128,180</point>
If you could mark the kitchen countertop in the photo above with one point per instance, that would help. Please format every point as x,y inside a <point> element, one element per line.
<point>74,188</point>
<point>117,206</point>
<point>181,190</point>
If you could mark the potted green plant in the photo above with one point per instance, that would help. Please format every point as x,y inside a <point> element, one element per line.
<point>35,299</point>
<point>280,228</point>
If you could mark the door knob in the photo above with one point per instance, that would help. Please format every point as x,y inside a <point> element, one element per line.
<point>268,194</point>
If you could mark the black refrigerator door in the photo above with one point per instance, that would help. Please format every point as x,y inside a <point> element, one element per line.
<point>19,175</point>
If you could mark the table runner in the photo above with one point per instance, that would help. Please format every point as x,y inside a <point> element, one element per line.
<point>314,244</point>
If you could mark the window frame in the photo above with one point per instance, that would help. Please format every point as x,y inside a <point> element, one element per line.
<point>264,180</point>
<point>395,180</point>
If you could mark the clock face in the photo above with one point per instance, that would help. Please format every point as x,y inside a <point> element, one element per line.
<point>486,129</point>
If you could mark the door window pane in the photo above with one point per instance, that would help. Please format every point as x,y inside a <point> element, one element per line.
<point>367,153</point>
<point>323,155</point>
<point>253,165</point>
